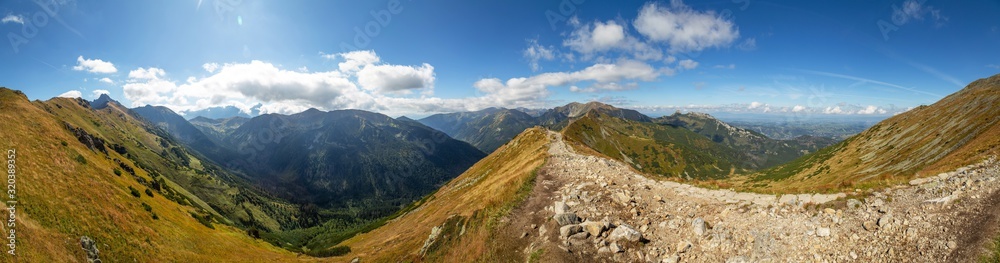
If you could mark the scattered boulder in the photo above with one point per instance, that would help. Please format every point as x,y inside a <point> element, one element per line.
<point>566,219</point>
<point>594,228</point>
<point>561,208</point>
<point>699,226</point>
<point>615,248</point>
<point>435,232</point>
<point>90,246</point>
<point>568,230</point>
<point>625,232</point>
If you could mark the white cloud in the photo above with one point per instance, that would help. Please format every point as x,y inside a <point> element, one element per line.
<point>600,37</point>
<point>833,110</point>
<point>98,92</point>
<point>915,10</point>
<point>354,60</point>
<point>146,74</point>
<point>687,64</point>
<point>683,28</point>
<point>12,18</point>
<point>754,105</point>
<point>871,109</point>
<point>536,52</point>
<point>210,67</point>
<point>993,66</point>
<point>730,66</point>
<point>798,108</point>
<point>107,80</point>
<point>748,44</point>
<point>94,66</point>
<point>394,78</point>
<point>610,86</point>
<point>71,94</point>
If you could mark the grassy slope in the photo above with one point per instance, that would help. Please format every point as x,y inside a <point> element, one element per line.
<point>653,148</point>
<point>61,199</point>
<point>957,130</point>
<point>476,199</point>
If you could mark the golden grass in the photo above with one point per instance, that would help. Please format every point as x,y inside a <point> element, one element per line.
<point>60,200</point>
<point>958,130</point>
<point>488,186</point>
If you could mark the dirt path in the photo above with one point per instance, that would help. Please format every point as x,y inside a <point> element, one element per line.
<point>613,205</point>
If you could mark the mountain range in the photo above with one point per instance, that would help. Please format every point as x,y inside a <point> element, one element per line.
<point>356,184</point>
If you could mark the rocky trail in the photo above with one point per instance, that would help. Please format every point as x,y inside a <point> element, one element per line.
<point>599,210</point>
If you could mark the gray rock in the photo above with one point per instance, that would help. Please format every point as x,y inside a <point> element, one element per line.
<point>594,228</point>
<point>952,245</point>
<point>615,248</point>
<point>699,226</point>
<point>568,230</point>
<point>566,219</point>
<point>435,232</point>
<point>578,239</point>
<point>356,260</point>
<point>625,232</point>
<point>671,259</point>
<point>90,247</point>
<point>853,203</point>
<point>885,220</point>
<point>561,207</point>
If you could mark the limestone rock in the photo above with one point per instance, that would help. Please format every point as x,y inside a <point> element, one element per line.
<point>625,232</point>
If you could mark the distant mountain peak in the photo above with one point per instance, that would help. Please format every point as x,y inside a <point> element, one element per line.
<point>102,102</point>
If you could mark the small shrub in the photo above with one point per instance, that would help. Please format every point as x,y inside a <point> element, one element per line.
<point>155,217</point>
<point>63,143</point>
<point>330,252</point>
<point>118,172</point>
<point>134,192</point>
<point>80,159</point>
<point>149,192</point>
<point>147,207</point>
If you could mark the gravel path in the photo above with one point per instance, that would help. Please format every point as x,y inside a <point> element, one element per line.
<point>603,211</point>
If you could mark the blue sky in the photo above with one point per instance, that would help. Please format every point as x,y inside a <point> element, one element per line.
<point>418,57</point>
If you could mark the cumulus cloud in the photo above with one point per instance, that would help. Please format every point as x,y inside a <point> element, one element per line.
<point>687,64</point>
<point>12,18</point>
<point>94,66</point>
<point>536,53</point>
<point>798,108</point>
<point>146,74</point>
<point>683,28</point>
<point>71,94</point>
<point>396,78</point>
<point>106,80</point>
<point>599,37</point>
<point>210,67</point>
<point>871,109</point>
<point>354,60</point>
<point>754,105</point>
